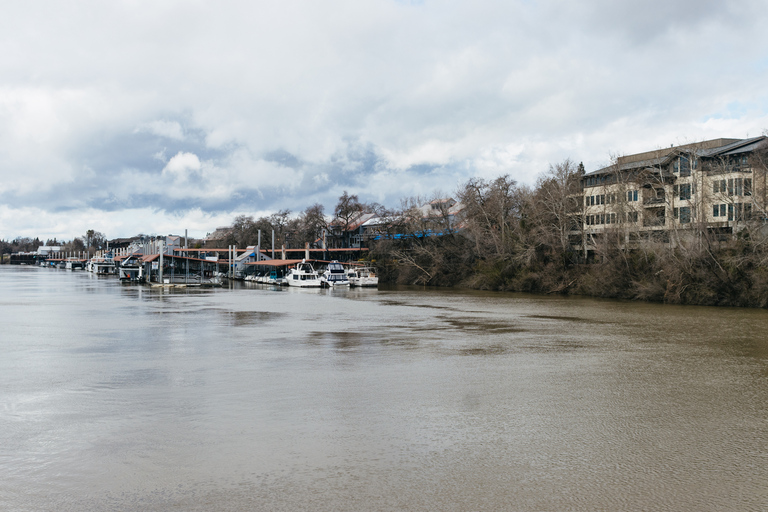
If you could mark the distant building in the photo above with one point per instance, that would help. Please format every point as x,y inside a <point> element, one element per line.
<point>348,233</point>
<point>716,185</point>
<point>443,212</point>
<point>218,236</point>
<point>45,250</point>
<point>122,243</point>
<point>174,242</point>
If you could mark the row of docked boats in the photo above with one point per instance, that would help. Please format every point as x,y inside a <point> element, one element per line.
<point>303,275</point>
<point>101,265</point>
<point>274,276</point>
<point>69,264</point>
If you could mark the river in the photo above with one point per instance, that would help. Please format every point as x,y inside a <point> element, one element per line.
<point>125,397</point>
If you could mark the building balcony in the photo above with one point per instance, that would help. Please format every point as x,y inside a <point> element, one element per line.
<point>654,222</point>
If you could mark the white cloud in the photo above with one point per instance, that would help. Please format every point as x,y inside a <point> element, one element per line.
<point>182,165</point>
<point>47,225</point>
<point>355,94</point>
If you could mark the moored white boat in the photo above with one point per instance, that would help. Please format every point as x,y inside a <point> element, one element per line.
<point>363,276</point>
<point>74,264</point>
<point>303,276</point>
<point>335,275</point>
<point>102,265</point>
<point>254,277</point>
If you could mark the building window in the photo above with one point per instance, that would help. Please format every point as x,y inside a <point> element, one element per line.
<point>744,160</point>
<point>747,186</point>
<point>715,187</point>
<point>715,210</point>
<point>722,210</point>
<point>685,191</point>
<point>730,212</point>
<point>635,195</point>
<point>685,215</point>
<point>685,166</point>
<point>730,188</point>
<point>737,186</point>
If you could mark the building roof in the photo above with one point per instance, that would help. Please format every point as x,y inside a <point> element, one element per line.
<point>355,222</point>
<point>742,146</point>
<point>219,233</point>
<point>662,156</point>
<point>275,263</point>
<point>153,257</point>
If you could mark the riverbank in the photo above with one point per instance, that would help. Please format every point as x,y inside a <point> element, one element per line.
<point>732,273</point>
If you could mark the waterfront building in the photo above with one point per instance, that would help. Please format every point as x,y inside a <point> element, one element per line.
<point>714,188</point>
<point>348,233</point>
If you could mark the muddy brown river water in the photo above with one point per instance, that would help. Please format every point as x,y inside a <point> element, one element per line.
<point>117,397</point>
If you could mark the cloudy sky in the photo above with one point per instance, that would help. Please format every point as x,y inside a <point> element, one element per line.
<point>134,116</point>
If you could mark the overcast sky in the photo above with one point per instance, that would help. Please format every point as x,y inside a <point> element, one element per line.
<point>156,116</point>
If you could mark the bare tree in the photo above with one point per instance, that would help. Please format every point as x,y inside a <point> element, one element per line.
<point>491,215</point>
<point>307,227</point>
<point>347,209</point>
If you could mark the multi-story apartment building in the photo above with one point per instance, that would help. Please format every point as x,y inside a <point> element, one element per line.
<point>716,186</point>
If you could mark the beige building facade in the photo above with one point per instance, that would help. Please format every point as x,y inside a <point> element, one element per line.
<point>717,187</point>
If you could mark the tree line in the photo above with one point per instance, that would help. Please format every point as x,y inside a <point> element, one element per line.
<point>89,243</point>
<point>294,231</point>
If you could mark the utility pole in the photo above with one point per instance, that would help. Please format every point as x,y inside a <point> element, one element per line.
<point>160,270</point>
<point>186,258</point>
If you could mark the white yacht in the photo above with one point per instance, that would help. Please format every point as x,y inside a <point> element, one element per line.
<point>74,264</point>
<point>335,275</point>
<point>363,276</point>
<point>303,275</point>
<point>102,264</point>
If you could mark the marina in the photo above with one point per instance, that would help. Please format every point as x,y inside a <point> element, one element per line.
<point>167,264</point>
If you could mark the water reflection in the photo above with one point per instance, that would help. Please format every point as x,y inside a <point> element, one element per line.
<point>136,398</point>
